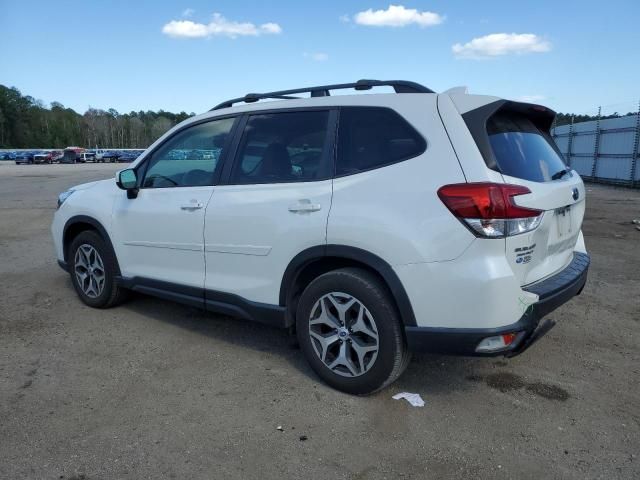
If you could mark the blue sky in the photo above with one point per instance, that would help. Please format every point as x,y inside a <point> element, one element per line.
<point>145,54</point>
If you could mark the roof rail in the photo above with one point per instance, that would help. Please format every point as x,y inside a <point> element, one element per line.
<point>400,86</point>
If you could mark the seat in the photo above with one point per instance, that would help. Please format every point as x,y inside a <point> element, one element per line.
<point>276,164</point>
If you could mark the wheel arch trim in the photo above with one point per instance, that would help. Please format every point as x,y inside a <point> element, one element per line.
<point>78,219</point>
<point>372,261</point>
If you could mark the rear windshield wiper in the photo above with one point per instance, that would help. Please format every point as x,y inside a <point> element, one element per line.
<point>560,174</point>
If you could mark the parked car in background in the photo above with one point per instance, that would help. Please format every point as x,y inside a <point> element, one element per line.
<point>98,152</point>
<point>7,155</point>
<point>85,157</point>
<point>24,158</point>
<point>177,155</point>
<point>42,157</point>
<point>47,156</point>
<point>56,155</point>
<point>110,156</point>
<point>71,154</point>
<point>127,157</point>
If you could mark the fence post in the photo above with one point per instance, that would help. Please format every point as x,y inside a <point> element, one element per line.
<point>596,147</point>
<point>569,142</point>
<point>636,140</point>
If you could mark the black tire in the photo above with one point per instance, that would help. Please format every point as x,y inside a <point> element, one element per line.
<point>112,294</point>
<point>393,355</point>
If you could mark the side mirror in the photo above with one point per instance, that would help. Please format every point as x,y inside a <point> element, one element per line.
<point>128,180</point>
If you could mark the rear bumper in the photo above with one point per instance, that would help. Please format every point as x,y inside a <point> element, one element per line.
<point>552,292</point>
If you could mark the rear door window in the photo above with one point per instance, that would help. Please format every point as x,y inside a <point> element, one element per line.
<point>522,150</point>
<point>284,147</point>
<point>372,137</point>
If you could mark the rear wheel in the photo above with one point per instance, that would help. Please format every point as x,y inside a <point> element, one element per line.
<point>93,270</point>
<point>350,332</point>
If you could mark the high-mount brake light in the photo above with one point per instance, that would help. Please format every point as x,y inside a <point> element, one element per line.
<point>488,209</point>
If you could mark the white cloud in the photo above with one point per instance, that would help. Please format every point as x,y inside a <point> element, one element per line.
<point>532,98</point>
<point>220,27</point>
<point>188,12</point>
<point>318,56</point>
<point>497,44</point>
<point>185,28</point>
<point>397,16</point>
<point>271,28</point>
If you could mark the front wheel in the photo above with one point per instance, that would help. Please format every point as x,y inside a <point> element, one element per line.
<point>350,332</point>
<point>93,270</point>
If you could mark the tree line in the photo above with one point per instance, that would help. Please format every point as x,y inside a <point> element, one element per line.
<point>565,118</point>
<point>28,123</point>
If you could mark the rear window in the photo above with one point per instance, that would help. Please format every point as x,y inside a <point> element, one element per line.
<point>521,149</point>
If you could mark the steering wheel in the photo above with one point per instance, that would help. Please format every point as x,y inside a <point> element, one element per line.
<point>195,178</point>
<point>157,175</point>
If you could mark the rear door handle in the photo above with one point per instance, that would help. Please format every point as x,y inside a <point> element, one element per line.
<point>305,206</point>
<point>192,206</point>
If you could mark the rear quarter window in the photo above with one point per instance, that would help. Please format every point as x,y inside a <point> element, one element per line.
<point>372,137</point>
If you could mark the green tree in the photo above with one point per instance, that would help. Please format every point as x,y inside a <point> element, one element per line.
<point>26,122</point>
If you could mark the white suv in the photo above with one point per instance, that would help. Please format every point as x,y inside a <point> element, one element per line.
<point>372,224</point>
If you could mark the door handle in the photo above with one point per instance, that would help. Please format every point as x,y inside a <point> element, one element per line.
<point>305,206</point>
<point>192,206</point>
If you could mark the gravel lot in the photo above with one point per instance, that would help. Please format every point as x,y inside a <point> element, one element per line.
<point>153,389</point>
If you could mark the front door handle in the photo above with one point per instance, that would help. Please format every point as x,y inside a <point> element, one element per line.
<point>305,206</point>
<point>192,206</point>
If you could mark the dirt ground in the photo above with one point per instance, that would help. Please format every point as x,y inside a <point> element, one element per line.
<point>153,389</point>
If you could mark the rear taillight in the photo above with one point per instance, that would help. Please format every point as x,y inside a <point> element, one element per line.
<point>488,209</point>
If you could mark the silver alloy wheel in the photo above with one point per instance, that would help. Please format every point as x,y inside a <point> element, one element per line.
<point>344,334</point>
<point>89,270</point>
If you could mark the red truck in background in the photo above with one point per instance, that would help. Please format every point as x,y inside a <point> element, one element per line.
<point>50,156</point>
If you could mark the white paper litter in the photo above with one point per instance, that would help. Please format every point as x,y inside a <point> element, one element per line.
<point>413,398</point>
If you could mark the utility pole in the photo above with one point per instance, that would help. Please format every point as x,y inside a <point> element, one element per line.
<point>634,158</point>
<point>596,147</point>
<point>570,141</point>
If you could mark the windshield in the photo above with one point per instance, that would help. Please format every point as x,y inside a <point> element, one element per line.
<point>522,150</point>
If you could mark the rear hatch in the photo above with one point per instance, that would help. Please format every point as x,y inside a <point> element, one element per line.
<point>514,140</point>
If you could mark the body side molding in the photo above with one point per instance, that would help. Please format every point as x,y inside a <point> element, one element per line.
<point>210,300</point>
